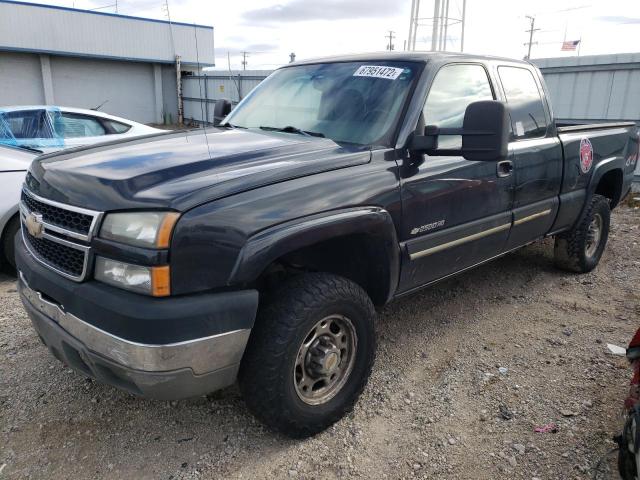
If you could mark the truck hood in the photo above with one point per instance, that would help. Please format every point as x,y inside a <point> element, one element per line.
<point>183,170</point>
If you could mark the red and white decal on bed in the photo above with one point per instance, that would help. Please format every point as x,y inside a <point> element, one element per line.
<point>586,155</point>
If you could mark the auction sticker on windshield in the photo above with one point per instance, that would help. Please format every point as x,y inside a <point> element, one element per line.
<point>378,71</point>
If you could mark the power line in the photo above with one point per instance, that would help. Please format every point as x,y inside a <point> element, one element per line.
<point>532,21</point>
<point>391,37</point>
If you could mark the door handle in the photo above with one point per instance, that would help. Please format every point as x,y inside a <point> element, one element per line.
<point>504,168</point>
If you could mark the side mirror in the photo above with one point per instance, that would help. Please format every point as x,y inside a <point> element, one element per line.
<point>221,109</point>
<point>484,132</point>
<point>485,128</point>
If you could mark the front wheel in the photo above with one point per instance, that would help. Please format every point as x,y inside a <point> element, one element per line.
<point>580,249</point>
<point>309,355</point>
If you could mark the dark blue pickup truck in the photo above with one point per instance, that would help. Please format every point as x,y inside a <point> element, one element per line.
<point>175,264</point>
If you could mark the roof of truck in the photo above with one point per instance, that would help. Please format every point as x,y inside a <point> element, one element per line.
<point>404,56</point>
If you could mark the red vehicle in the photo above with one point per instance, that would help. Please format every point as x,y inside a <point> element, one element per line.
<point>629,441</point>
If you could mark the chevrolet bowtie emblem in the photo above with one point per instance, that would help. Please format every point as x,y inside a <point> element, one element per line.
<point>34,224</point>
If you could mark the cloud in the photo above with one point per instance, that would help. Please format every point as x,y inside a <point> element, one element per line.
<point>253,49</point>
<point>619,19</point>
<point>302,10</point>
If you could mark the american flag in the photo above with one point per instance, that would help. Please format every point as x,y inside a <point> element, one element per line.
<point>570,45</point>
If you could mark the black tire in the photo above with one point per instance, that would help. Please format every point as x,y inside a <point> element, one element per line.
<point>267,374</point>
<point>575,250</point>
<point>8,246</point>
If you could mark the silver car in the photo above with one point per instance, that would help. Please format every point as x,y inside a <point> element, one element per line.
<point>14,163</point>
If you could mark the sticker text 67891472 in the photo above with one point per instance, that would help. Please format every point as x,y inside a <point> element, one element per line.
<point>378,71</point>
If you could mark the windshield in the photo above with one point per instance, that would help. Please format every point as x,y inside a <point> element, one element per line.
<point>355,102</point>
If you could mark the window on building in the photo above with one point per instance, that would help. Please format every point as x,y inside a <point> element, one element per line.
<point>453,89</point>
<point>528,119</point>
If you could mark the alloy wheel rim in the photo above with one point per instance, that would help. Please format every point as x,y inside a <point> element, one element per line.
<point>594,234</point>
<point>325,359</point>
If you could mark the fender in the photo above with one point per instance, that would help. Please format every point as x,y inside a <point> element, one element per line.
<point>605,166</point>
<point>265,247</point>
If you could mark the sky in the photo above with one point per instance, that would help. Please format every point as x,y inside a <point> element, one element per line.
<point>271,30</point>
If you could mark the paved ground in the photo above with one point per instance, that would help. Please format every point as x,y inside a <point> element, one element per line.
<point>437,405</point>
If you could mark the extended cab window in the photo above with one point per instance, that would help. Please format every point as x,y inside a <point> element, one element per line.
<point>528,119</point>
<point>453,89</point>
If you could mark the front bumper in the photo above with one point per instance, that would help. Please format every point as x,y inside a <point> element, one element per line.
<point>160,370</point>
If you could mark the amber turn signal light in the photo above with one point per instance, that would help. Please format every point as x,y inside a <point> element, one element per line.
<point>161,281</point>
<point>166,228</point>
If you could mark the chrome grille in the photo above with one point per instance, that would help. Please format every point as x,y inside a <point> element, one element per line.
<point>63,242</point>
<point>67,259</point>
<point>75,221</point>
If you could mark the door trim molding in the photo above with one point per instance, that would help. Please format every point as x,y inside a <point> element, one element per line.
<point>528,218</point>
<point>459,241</point>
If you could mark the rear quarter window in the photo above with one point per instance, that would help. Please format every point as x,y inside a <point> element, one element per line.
<point>116,127</point>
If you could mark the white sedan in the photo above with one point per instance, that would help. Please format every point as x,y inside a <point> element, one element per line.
<point>50,128</point>
<point>26,132</point>
<point>14,163</point>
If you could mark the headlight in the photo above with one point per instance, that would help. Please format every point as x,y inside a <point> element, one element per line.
<point>153,281</point>
<point>140,229</point>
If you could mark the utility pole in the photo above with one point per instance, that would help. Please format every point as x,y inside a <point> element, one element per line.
<point>391,36</point>
<point>532,21</point>
<point>434,34</point>
<point>411,33</point>
<point>464,18</point>
<point>446,25</point>
<point>292,57</point>
<point>416,16</point>
<point>244,60</point>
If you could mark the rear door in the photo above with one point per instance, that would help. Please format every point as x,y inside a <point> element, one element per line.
<point>456,212</point>
<point>536,152</point>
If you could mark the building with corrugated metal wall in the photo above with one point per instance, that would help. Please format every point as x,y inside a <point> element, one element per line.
<point>78,58</point>
<point>594,88</point>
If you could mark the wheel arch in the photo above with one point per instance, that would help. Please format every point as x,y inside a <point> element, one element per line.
<point>358,243</point>
<point>609,183</point>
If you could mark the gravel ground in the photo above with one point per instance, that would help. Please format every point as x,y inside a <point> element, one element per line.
<point>440,403</point>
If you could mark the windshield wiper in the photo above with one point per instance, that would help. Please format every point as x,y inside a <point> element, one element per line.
<point>231,125</point>
<point>292,129</point>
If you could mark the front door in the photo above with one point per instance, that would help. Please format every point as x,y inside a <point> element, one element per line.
<point>456,212</point>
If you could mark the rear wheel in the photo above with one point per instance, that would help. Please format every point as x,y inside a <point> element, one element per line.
<point>8,246</point>
<point>580,249</point>
<point>310,354</point>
